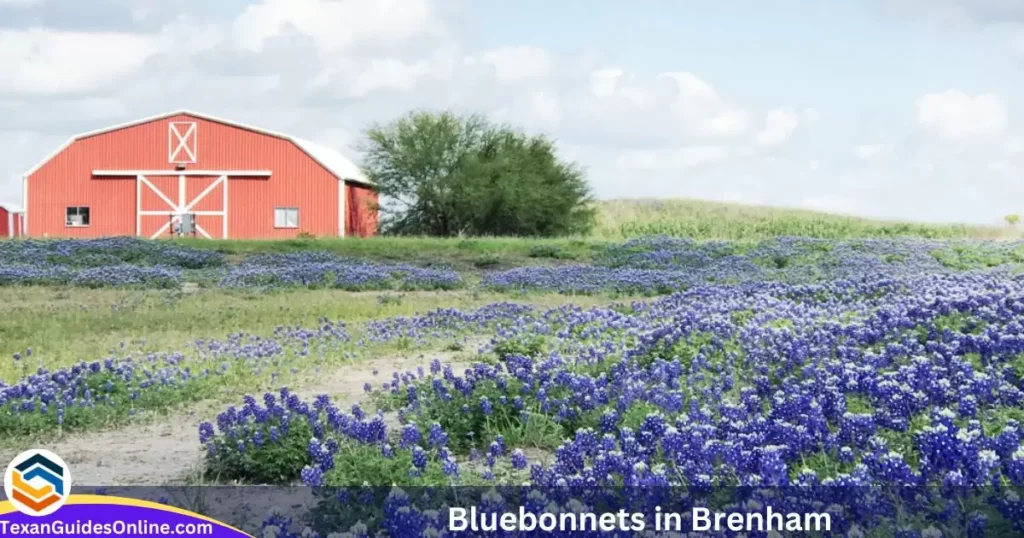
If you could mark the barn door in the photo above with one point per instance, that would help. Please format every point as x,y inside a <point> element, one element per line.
<point>163,199</point>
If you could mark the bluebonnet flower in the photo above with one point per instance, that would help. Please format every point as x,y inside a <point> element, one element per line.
<point>438,438</point>
<point>485,406</point>
<point>450,467</point>
<point>312,476</point>
<point>518,459</point>
<point>410,436</point>
<point>868,360</point>
<point>419,457</point>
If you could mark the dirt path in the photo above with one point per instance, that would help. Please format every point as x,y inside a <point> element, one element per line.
<point>167,452</point>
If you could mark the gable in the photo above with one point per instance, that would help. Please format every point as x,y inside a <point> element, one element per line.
<point>184,143</point>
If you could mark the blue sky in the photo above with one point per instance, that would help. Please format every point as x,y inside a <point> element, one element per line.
<point>827,53</point>
<point>887,108</point>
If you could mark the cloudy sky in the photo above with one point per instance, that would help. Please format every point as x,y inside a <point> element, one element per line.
<point>890,108</point>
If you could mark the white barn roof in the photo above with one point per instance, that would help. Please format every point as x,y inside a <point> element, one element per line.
<point>334,161</point>
<point>10,208</point>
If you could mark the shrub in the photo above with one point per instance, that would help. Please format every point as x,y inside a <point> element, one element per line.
<point>273,452</point>
<point>486,260</point>
<point>462,175</point>
<point>550,251</point>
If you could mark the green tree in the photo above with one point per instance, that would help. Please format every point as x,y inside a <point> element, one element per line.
<point>1012,220</point>
<point>444,174</point>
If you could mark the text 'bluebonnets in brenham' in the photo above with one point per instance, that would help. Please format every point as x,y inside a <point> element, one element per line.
<point>700,519</point>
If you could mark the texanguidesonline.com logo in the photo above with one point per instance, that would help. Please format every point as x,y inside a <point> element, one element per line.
<point>37,482</point>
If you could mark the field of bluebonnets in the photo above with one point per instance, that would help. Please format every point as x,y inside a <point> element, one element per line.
<point>881,380</point>
<point>129,262</point>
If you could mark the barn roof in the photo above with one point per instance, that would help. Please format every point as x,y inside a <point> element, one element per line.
<point>10,208</point>
<point>334,161</point>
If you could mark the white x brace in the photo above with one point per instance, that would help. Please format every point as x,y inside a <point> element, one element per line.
<point>180,207</point>
<point>181,138</point>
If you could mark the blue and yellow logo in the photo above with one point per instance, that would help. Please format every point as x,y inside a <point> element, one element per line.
<point>37,482</point>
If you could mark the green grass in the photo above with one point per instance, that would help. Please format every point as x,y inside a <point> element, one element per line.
<point>617,220</point>
<point>63,325</point>
<point>698,219</point>
<point>979,256</point>
<point>121,408</point>
<point>461,254</point>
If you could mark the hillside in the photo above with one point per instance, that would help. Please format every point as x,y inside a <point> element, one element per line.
<point>618,220</point>
<point>699,219</point>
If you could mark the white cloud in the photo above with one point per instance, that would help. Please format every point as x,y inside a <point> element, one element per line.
<point>923,167</point>
<point>356,78</point>
<point>336,25</point>
<point>325,69</point>
<point>702,109</point>
<point>48,62</point>
<point>982,12</point>
<point>605,82</point>
<point>337,137</point>
<point>745,151</point>
<point>610,107</point>
<point>956,115</point>
<point>728,123</point>
<point>545,107</point>
<point>779,125</point>
<point>518,64</point>
<point>870,151</point>
<point>387,74</point>
<point>185,36</point>
<point>672,159</point>
<point>536,110</point>
<point>695,89</point>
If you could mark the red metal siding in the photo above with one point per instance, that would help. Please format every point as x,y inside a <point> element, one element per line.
<point>310,188</point>
<point>150,196</point>
<point>19,224</point>
<point>361,211</point>
<point>4,219</point>
<point>296,181</point>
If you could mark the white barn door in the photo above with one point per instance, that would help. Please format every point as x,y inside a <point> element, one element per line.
<point>162,200</point>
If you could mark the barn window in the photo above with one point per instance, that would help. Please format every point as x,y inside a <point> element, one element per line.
<point>286,217</point>
<point>77,216</point>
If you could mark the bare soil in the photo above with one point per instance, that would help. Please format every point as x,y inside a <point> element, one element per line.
<point>167,451</point>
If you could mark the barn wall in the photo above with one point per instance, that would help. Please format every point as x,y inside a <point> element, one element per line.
<point>361,210</point>
<point>296,181</point>
<point>19,224</point>
<point>5,219</point>
<point>308,187</point>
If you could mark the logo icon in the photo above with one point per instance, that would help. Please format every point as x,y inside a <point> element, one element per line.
<point>37,482</point>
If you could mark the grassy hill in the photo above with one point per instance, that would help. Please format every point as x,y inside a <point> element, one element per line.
<point>618,220</point>
<point>698,219</point>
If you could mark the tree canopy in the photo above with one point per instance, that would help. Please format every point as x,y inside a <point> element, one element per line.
<point>443,174</point>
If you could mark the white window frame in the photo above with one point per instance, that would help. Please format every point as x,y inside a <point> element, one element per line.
<point>182,142</point>
<point>78,209</point>
<point>283,223</point>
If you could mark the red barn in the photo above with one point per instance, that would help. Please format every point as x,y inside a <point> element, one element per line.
<point>194,174</point>
<point>10,221</point>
